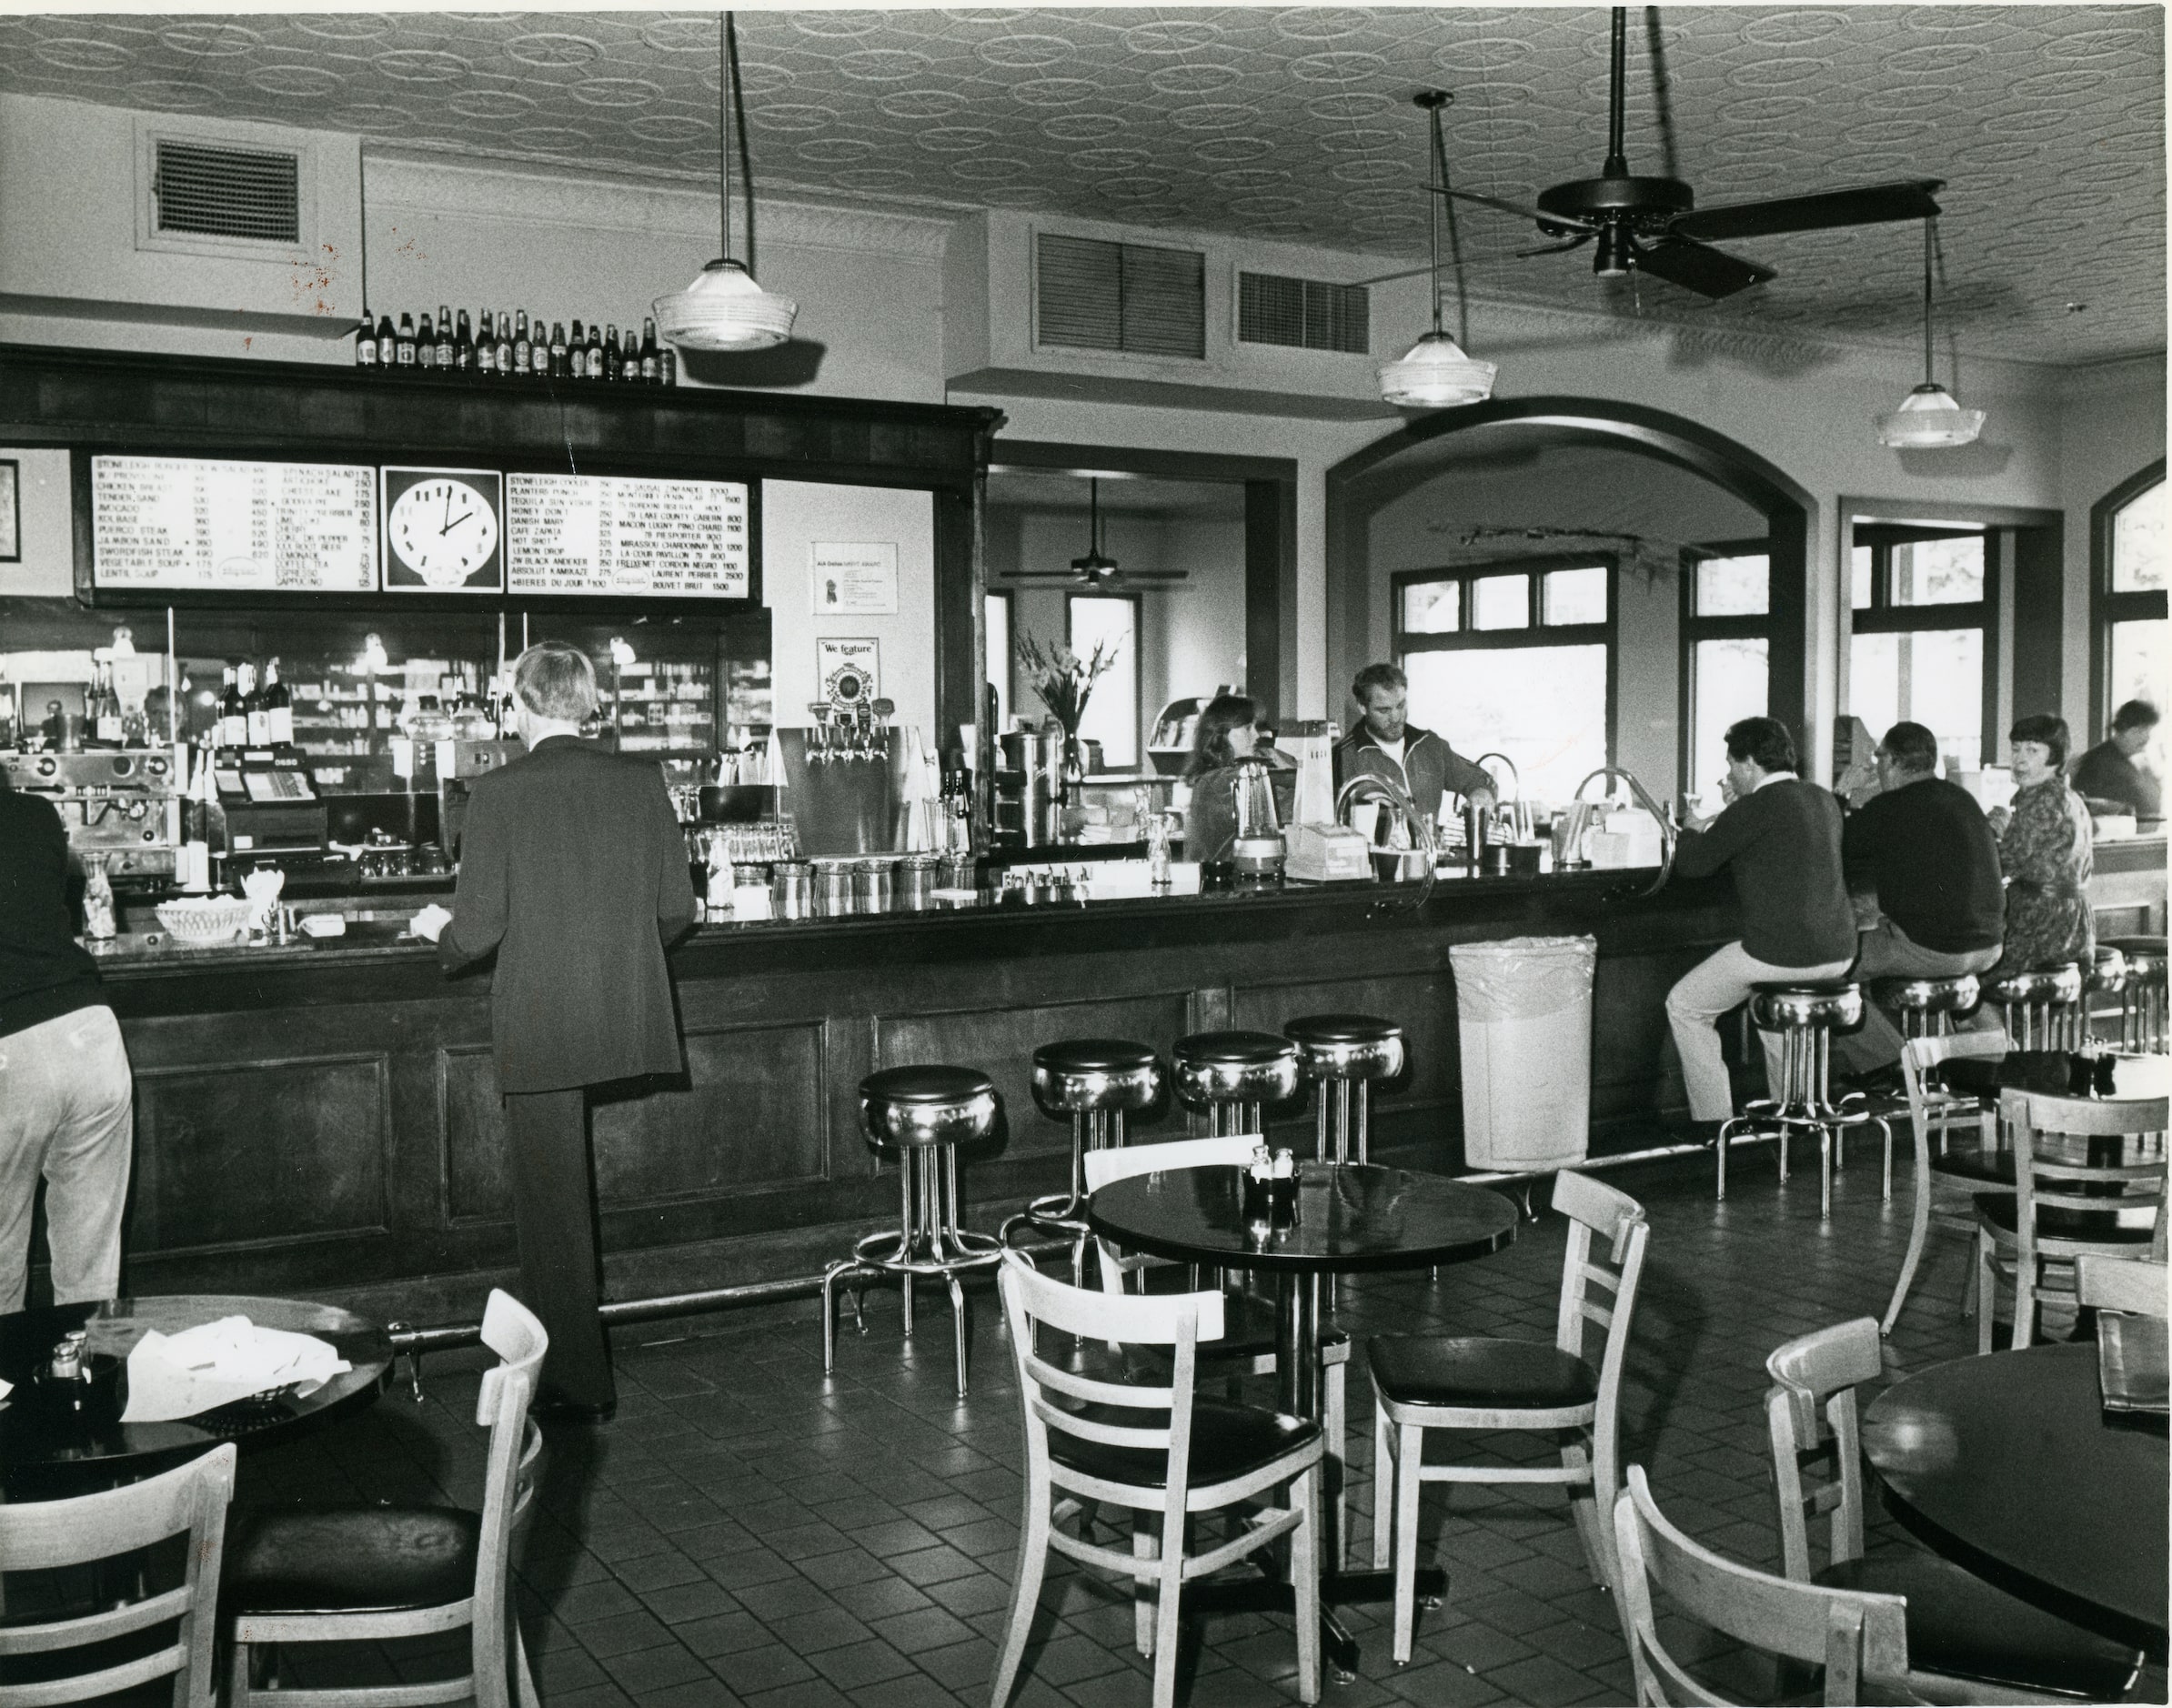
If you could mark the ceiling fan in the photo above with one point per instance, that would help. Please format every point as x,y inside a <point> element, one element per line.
<point>1653,225</point>
<point>1097,568</point>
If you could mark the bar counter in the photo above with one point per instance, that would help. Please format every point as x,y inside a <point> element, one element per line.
<point>323,1116</point>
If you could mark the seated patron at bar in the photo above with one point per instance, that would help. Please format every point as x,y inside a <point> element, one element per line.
<point>1923,849</point>
<point>2047,848</point>
<point>1387,744</point>
<point>66,1101</point>
<point>2110,775</point>
<point>1779,840</point>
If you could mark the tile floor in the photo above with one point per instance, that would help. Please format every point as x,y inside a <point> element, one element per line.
<point>746,1532</point>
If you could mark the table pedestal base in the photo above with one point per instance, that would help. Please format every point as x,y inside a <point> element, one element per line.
<point>1337,1588</point>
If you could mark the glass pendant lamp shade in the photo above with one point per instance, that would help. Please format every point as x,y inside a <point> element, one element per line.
<point>1436,375</point>
<point>1930,419</point>
<point>725,309</point>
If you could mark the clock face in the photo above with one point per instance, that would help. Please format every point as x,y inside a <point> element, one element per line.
<point>442,531</point>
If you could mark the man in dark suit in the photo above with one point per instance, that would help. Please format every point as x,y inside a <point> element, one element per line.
<point>574,869</point>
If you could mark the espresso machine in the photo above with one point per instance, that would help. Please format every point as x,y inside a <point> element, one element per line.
<point>1029,789</point>
<point>845,777</point>
<point>459,763</point>
<point>122,805</point>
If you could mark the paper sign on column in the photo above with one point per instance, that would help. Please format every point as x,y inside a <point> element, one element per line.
<point>850,670</point>
<point>854,579</point>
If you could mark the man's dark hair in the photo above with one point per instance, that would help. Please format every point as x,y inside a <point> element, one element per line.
<point>1911,748</point>
<point>1377,676</point>
<point>2137,714</point>
<point>1764,741</point>
<point>2049,731</point>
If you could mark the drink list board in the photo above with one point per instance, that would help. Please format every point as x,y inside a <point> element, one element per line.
<point>606,534</point>
<point>196,524</point>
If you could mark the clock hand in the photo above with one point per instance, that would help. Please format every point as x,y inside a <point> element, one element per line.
<point>466,516</point>
<point>448,509</point>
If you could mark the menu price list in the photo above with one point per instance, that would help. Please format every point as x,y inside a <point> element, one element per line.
<point>178,522</point>
<point>619,535</point>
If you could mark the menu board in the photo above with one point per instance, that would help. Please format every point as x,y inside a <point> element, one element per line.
<point>618,535</point>
<point>163,523</point>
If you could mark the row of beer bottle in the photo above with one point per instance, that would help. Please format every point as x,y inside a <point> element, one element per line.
<point>251,716</point>
<point>507,346</point>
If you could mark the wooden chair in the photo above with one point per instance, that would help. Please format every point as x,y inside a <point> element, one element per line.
<point>2132,1285</point>
<point>1860,1640</point>
<point>2067,1202</point>
<point>1423,1383</point>
<point>1250,1336</point>
<point>1158,1451</point>
<point>52,1535</point>
<point>365,1573</point>
<point>1968,1641</point>
<point>1934,1111</point>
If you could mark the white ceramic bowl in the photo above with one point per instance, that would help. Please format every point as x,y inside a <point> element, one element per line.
<point>214,920</point>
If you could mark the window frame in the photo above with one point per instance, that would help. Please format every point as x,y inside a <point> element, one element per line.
<point>1008,705</point>
<point>1691,628</point>
<point>1535,634</point>
<point>1883,617</point>
<point>1138,605</point>
<point>2106,607</point>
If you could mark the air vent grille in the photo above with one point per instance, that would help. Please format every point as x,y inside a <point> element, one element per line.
<point>1097,295</point>
<point>246,192</point>
<point>1304,314</point>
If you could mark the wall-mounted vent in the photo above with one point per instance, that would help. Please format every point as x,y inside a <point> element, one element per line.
<point>204,190</point>
<point>1304,314</point>
<point>1096,296</point>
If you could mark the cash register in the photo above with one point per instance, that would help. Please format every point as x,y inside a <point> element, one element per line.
<point>267,803</point>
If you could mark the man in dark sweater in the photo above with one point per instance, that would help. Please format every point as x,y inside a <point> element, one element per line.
<point>66,1102</point>
<point>1780,841</point>
<point>2108,773</point>
<point>1924,848</point>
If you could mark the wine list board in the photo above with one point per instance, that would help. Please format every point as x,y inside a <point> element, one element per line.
<point>189,524</point>
<point>626,537</point>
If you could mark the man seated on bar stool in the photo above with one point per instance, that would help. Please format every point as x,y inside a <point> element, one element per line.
<point>1924,848</point>
<point>1780,841</point>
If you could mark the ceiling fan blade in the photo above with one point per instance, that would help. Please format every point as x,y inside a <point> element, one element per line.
<point>1565,221</point>
<point>1708,272</point>
<point>1868,205</point>
<point>1389,278</point>
<point>1576,242</point>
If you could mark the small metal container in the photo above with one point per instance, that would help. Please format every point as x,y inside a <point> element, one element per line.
<point>874,877</point>
<point>832,888</point>
<point>916,882</point>
<point>790,889</point>
<point>958,872</point>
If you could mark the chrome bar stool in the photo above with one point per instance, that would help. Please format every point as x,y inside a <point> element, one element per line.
<point>2105,976</point>
<point>2041,1005</point>
<point>1234,1075</point>
<point>1342,1054</point>
<point>1094,1082</point>
<point>919,1115</point>
<point>1806,1016</point>
<point>1927,1008</point>
<point>2142,1013</point>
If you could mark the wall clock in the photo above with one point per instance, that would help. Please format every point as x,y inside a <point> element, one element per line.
<point>444,530</point>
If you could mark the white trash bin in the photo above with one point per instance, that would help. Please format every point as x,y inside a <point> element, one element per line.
<point>1525,1015</point>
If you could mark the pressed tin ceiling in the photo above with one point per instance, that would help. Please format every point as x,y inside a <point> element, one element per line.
<point>1295,124</point>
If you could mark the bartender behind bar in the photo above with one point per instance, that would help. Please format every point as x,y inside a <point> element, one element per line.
<point>1386,744</point>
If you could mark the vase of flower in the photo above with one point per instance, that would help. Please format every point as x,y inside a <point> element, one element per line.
<point>1063,682</point>
<point>1074,763</point>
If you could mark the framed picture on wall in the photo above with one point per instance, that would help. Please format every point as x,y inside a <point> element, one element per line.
<point>11,511</point>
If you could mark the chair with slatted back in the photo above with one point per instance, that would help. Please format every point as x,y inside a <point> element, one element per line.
<point>1968,1641</point>
<point>1156,1448</point>
<point>299,1574</point>
<point>1947,1181</point>
<point>2134,1285</point>
<point>2081,1188</point>
<point>127,1651</point>
<point>1248,1323</point>
<point>1429,1382</point>
<point>1861,1640</point>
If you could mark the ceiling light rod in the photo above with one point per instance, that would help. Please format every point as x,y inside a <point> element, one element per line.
<point>1930,239</point>
<point>1929,418</point>
<point>1617,156</point>
<point>1436,373</point>
<point>726,42</point>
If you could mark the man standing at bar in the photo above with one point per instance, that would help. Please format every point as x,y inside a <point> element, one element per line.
<point>1386,744</point>
<point>572,868</point>
<point>1924,848</point>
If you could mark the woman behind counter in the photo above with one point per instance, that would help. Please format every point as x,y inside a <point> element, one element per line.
<point>2046,847</point>
<point>1228,733</point>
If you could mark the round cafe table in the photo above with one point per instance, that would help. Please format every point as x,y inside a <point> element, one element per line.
<point>2009,1465</point>
<point>1351,1218</point>
<point>47,1450</point>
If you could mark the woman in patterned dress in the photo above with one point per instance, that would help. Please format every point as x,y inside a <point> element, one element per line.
<point>2047,849</point>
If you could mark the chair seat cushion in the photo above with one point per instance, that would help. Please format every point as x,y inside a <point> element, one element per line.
<point>346,1559</point>
<point>927,1084</point>
<point>1094,1055</point>
<point>1244,1050</point>
<point>1971,1162</point>
<point>1478,1374</point>
<point>1963,1627</point>
<point>1341,1029</point>
<point>2004,1213</point>
<point>1227,1440</point>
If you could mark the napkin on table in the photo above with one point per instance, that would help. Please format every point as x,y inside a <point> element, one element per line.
<point>178,1375</point>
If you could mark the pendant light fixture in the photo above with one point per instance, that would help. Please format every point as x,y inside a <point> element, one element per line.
<point>724,308</point>
<point>1928,419</point>
<point>1436,374</point>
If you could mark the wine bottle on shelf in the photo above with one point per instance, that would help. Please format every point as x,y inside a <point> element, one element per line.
<point>630,359</point>
<point>598,365</point>
<point>445,336</point>
<point>106,726</point>
<point>257,730</point>
<point>486,344</point>
<point>539,355</point>
<point>652,372</point>
<point>404,343</point>
<point>366,342</point>
<point>278,707</point>
<point>504,345</point>
<point>233,716</point>
<point>666,369</point>
<point>558,368</point>
<point>464,344</point>
<point>520,345</point>
<point>426,343</point>
<point>576,354</point>
<point>388,342</point>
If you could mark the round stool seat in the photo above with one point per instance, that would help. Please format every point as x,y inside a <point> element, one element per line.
<point>1235,1068</point>
<point>2108,970</point>
<point>1347,1046</point>
<point>2145,958</point>
<point>1094,1073</point>
<point>2060,983</point>
<point>1956,995</point>
<point>1832,1004</point>
<point>927,1105</point>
